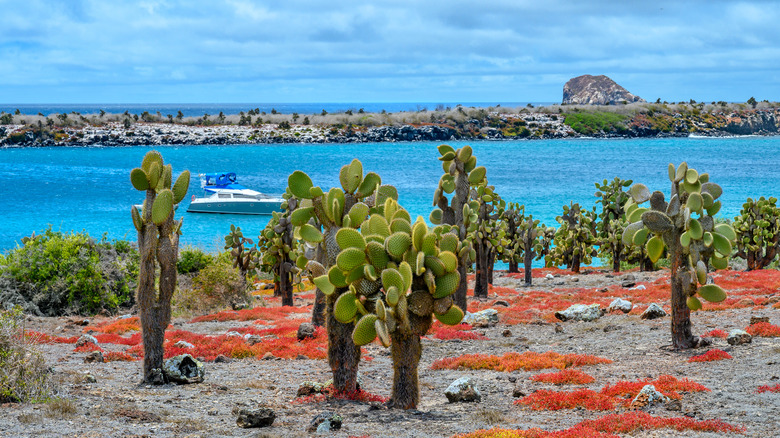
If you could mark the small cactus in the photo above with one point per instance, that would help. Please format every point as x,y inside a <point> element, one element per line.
<point>489,237</point>
<point>612,198</point>
<point>527,239</point>
<point>685,227</point>
<point>281,252</point>
<point>758,232</point>
<point>575,239</point>
<point>242,251</point>
<point>158,246</point>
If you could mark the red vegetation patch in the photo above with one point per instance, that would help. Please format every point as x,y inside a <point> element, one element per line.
<point>763,329</point>
<point>461,331</point>
<point>262,313</point>
<point>527,361</point>
<point>609,425</point>
<point>710,356</point>
<point>87,348</point>
<point>767,388</point>
<point>118,327</point>
<point>565,377</point>
<point>667,385</point>
<point>556,400</point>
<point>116,356</point>
<point>43,338</point>
<point>328,393</point>
<point>717,333</point>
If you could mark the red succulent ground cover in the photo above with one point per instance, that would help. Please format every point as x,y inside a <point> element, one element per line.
<point>118,327</point>
<point>710,356</point>
<point>665,384</point>
<point>610,425</point>
<point>261,313</point>
<point>565,377</point>
<point>767,388</point>
<point>527,361</point>
<point>328,393</point>
<point>460,331</point>
<point>763,329</point>
<point>717,333</point>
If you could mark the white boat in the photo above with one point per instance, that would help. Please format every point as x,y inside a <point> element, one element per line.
<point>224,195</point>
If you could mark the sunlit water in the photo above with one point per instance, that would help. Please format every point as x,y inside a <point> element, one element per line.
<point>89,188</point>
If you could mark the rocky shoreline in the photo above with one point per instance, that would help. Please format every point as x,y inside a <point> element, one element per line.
<point>495,125</point>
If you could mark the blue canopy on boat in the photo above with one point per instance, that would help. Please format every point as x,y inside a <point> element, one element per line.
<point>220,179</point>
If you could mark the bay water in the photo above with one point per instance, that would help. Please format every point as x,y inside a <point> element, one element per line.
<point>88,188</point>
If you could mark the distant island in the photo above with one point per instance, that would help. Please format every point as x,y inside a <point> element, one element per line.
<point>592,106</point>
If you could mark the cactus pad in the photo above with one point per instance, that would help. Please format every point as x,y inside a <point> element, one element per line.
<point>358,213</point>
<point>392,278</point>
<point>137,221</point>
<point>453,316</point>
<point>693,303</point>
<point>301,216</point>
<point>406,273</point>
<point>139,179</point>
<point>382,332</point>
<point>695,229</point>
<point>656,221</point>
<point>477,175</point>
<point>149,158</point>
<point>446,284</point>
<point>420,303</point>
<point>401,225</point>
<point>436,265</point>
<point>181,186</point>
<point>377,255</point>
<point>449,242</point>
<point>300,184</point>
<point>655,248</point>
<point>324,284</point>
<point>350,258</point>
<point>365,330</point>
<point>336,277</point>
<point>713,189</point>
<point>310,234</point>
<point>351,176</point>
<point>639,192</point>
<point>726,231</point>
<point>392,296</point>
<point>397,244</point>
<point>721,244</point>
<point>162,207</point>
<point>345,308</point>
<point>450,261</point>
<point>369,185</point>
<point>350,238</point>
<point>712,293</point>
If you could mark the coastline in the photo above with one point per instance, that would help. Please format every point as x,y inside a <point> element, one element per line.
<point>494,123</point>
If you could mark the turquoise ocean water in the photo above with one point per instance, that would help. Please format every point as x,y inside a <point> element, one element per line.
<point>89,188</point>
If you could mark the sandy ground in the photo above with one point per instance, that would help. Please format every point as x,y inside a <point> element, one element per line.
<point>117,406</point>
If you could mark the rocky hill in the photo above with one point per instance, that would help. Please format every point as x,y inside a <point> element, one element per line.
<point>596,90</point>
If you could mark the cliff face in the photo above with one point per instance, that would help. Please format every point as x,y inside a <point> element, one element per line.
<point>596,90</point>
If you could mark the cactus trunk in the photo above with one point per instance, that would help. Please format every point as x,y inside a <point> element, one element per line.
<point>616,255</point>
<point>575,264</point>
<point>318,309</point>
<point>528,258</point>
<point>286,283</point>
<point>514,267</point>
<point>481,276</point>
<point>406,351</point>
<point>343,354</point>
<point>682,337</point>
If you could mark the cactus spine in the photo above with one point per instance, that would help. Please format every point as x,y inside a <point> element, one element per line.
<point>317,220</point>
<point>758,232</point>
<point>686,228</point>
<point>460,173</point>
<point>158,245</point>
<point>400,275</point>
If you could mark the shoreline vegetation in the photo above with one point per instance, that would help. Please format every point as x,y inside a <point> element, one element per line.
<point>634,120</point>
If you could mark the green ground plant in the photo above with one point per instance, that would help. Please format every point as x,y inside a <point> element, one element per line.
<point>592,123</point>
<point>192,260</point>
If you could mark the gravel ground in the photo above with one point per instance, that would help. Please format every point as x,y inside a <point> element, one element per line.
<point>117,406</point>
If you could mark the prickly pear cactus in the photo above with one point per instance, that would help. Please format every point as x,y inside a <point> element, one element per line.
<point>575,239</point>
<point>318,219</point>
<point>242,251</point>
<point>612,198</point>
<point>460,175</point>
<point>758,232</point>
<point>280,250</point>
<point>399,276</point>
<point>489,237</point>
<point>527,239</point>
<point>158,245</point>
<point>686,228</point>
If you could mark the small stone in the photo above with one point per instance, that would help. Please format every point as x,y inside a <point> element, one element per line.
<point>268,356</point>
<point>558,328</point>
<point>184,369</point>
<point>484,318</point>
<point>183,344</point>
<point>640,287</point>
<point>518,392</point>
<point>501,303</point>
<point>301,357</point>
<point>610,328</point>
<point>603,289</point>
<point>94,357</point>
<point>674,405</point>
<point>89,378</point>
<point>621,305</point>
<point>739,337</point>
<point>262,417</point>
<point>757,319</point>
<point>653,311</point>
<point>580,312</point>
<point>325,422</point>
<point>463,390</point>
<point>628,280</point>
<point>306,330</point>
<point>222,359</point>
<point>86,339</point>
<point>647,396</point>
<point>549,277</point>
<point>309,388</point>
<point>212,412</point>
<point>506,333</point>
<point>512,379</point>
<point>575,280</point>
<point>233,334</point>
<point>252,339</point>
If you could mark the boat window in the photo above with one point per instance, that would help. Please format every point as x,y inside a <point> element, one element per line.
<point>243,196</point>
<point>224,195</point>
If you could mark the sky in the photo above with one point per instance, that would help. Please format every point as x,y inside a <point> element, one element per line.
<point>243,51</point>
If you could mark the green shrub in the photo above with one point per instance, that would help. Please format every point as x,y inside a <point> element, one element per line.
<point>192,259</point>
<point>217,286</point>
<point>23,372</point>
<point>55,274</point>
<point>590,123</point>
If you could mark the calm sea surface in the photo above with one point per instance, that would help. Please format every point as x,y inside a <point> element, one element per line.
<point>89,188</point>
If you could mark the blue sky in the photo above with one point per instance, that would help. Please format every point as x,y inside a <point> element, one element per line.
<point>98,51</point>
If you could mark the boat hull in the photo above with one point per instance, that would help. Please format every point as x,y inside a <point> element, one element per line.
<point>235,207</point>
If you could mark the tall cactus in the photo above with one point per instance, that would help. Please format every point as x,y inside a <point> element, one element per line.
<point>399,276</point>
<point>685,226</point>
<point>158,245</point>
<point>489,236</point>
<point>758,232</point>
<point>575,239</point>
<point>242,251</point>
<point>612,199</point>
<point>460,173</point>
<point>527,240</point>
<point>317,220</point>
<point>278,249</point>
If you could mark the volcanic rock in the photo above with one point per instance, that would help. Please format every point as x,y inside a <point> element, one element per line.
<point>596,90</point>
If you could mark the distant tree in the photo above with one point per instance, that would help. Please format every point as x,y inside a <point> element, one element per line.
<point>658,100</point>
<point>146,117</point>
<point>361,111</point>
<point>170,118</point>
<point>221,117</point>
<point>752,101</point>
<point>284,125</point>
<point>306,120</point>
<point>17,112</point>
<point>295,117</point>
<point>179,115</point>
<point>273,110</point>
<point>324,113</point>
<point>348,112</point>
<point>102,113</point>
<point>63,118</point>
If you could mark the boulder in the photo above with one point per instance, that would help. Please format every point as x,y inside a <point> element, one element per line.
<point>262,417</point>
<point>94,357</point>
<point>653,311</point>
<point>628,280</point>
<point>463,390</point>
<point>647,396</point>
<point>183,344</point>
<point>325,422</point>
<point>86,339</point>
<point>483,318</point>
<point>580,312</point>
<point>620,304</point>
<point>739,337</point>
<point>596,90</point>
<point>306,330</point>
<point>184,369</point>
